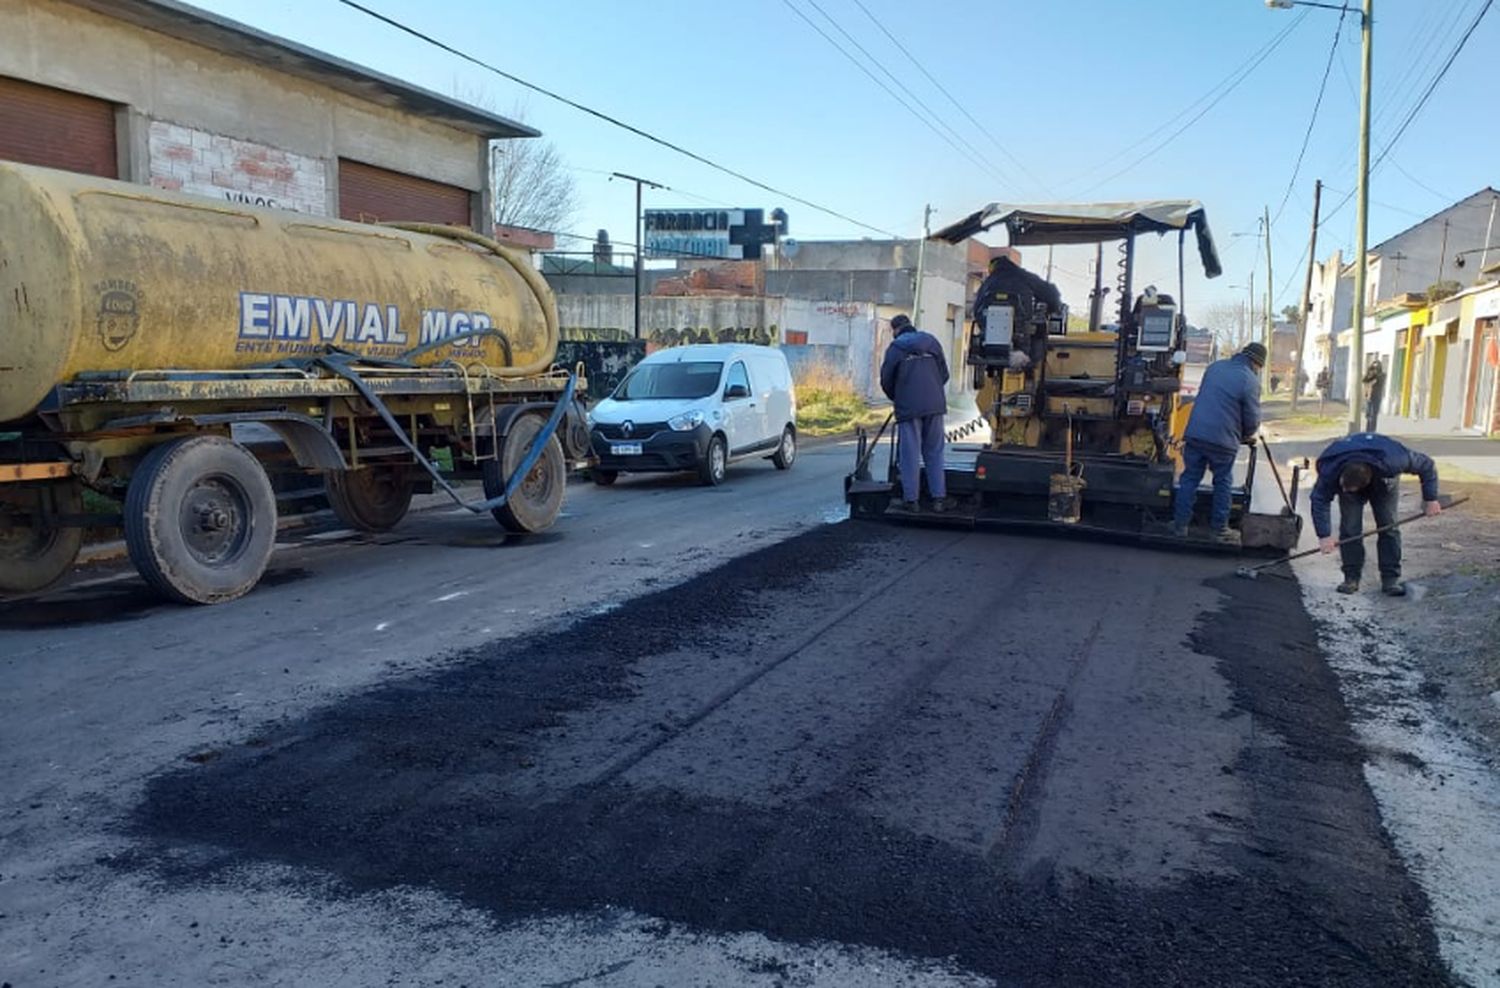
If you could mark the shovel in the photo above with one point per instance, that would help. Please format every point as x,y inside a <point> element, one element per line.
<point>1252,572</point>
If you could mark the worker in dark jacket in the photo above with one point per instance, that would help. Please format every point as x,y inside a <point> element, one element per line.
<point>1225,414</point>
<point>1374,382</point>
<point>1366,469</point>
<point>912,377</point>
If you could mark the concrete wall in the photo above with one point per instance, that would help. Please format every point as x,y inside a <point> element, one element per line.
<point>162,80</point>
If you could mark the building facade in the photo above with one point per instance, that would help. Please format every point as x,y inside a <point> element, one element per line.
<point>162,94</point>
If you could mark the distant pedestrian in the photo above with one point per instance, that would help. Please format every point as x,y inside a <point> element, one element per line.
<point>1275,382</point>
<point>1226,413</point>
<point>1374,382</point>
<point>913,376</point>
<point>1301,382</point>
<point>1324,384</point>
<point>1361,469</point>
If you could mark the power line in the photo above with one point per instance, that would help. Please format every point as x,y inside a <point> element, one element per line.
<point>1410,116</point>
<point>599,114</point>
<point>961,108</point>
<point>1417,181</point>
<point>1312,121</point>
<point>970,155</point>
<point>1233,82</point>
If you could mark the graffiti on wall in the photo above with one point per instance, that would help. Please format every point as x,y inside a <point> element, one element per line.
<point>681,336</point>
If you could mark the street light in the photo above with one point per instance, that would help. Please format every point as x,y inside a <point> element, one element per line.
<point>1357,346</point>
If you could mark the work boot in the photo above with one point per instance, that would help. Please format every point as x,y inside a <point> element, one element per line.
<point>1179,531</point>
<point>1350,585</point>
<point>1226,536</point>
<point>943,504</point>
<point>1392,587</point>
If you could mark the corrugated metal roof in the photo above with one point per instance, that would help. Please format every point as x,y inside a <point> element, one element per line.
<point>187,23</point>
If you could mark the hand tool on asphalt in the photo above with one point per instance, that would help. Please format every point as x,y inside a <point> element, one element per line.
<point>1252,572</point>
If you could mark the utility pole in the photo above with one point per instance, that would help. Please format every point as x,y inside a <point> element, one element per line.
<point>1312,253</point>
<point>916,302</point>
<point>640,240</point>
<point>1362,224</point>
<point>1265,370</point>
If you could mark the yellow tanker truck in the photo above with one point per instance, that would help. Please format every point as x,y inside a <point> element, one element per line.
<point>138,327</point>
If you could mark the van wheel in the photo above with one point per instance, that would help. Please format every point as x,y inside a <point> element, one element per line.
<point>604,478</point>
<point>538,499</point>
<point>39,554</point>
<point>371,499</point>
<point>200,519</point>
<point>715,462</point>
<point>786,453</point>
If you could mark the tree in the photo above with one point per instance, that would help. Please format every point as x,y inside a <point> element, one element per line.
<point>532,186</point>
<point>1292,314</point>
<point>1226,320</point>
<point>530,181</point>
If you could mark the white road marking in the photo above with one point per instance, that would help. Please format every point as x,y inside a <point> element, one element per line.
<point>450,596</point>
<point>382,625</point>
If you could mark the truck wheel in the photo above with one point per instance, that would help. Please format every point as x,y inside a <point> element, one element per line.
<point>786,453</point>
<point>200,519</point>
<point>715,463</point>
<point>538,498</point>
<point>33,557</point>
<point>371,499</point>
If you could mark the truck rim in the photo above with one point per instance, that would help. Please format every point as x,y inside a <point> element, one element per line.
<point>213,518</point>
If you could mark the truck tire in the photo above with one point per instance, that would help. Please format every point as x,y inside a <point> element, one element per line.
<point>370,499</point>
<point>32,558</point>
<point>538,498</point>
<point>200,520</point>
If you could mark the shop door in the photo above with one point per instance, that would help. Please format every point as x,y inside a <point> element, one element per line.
<point>40,125</point>
<point>378,195</point>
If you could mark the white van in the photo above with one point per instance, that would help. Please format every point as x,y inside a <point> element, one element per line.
<point>697,408</point>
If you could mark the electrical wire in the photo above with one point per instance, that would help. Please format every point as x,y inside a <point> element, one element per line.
<point>614,121</point>
<point>1313,120</point>
<point>977,155</point>
<point>1406,122</point>
<point>1229,85</point>
<point>952,99</point>
<point>972,157</point>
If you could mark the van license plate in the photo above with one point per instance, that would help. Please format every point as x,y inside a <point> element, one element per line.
<point>625,449</point>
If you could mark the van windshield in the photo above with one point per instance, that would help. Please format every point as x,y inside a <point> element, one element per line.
<point>685,379</point>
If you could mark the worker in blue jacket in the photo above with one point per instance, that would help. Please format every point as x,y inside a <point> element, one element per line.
<point>1361,469</point>
<point>913,376</point>
<point>1226,413</point>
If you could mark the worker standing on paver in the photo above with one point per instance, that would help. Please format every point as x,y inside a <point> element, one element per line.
<point>1361,469</point>
<point>1225,414</point>
<point>913,376</point>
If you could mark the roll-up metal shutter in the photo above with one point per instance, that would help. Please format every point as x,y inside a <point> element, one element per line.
<point>40,125</point>
<point>379,195</point>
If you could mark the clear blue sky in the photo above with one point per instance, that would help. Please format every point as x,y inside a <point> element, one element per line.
<point>1069,87</point>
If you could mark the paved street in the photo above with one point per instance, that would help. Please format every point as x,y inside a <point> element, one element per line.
<point>742,746</point>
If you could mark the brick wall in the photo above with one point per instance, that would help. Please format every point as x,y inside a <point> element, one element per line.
<point>186,160</point>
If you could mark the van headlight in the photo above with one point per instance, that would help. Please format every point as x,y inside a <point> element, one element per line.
<point>686,422</point>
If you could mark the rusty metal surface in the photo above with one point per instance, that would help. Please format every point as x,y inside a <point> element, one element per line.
<point>11,473</point>
<point>113,277</point>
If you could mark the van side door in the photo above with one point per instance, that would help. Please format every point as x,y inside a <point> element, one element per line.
<point>742,409</point>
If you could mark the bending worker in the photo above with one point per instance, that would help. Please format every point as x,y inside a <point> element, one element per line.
<point>1361,469</point>
<point>912,376</point>
<point>1225,414</point>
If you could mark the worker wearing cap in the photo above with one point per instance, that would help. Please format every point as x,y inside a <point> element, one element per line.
<point>1361,469</point>
<point>1225,414</point>
<point>913,375</point>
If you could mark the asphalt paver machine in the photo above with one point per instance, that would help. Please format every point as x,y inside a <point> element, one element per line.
<point>1085,426</point>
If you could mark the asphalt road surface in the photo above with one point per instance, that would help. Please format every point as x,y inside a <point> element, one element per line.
<point>693,737</point>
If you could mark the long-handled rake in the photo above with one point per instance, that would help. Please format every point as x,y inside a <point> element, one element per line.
<point>1252,572</point>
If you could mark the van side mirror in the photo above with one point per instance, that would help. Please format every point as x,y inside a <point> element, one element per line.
<point>736,391</point>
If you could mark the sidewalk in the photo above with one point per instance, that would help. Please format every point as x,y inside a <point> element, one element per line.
<point>1459,457</point>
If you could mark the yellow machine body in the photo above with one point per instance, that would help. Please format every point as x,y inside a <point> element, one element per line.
<point>99,277</point>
